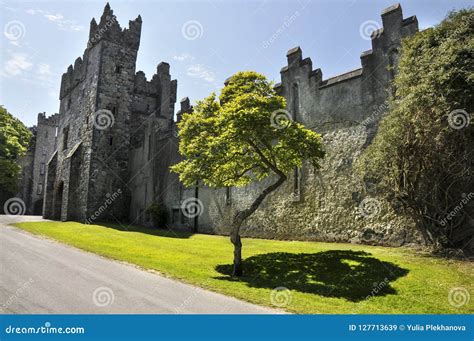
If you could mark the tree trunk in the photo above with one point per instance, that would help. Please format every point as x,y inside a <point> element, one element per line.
<point>240,217</point>
<point>237,270</point>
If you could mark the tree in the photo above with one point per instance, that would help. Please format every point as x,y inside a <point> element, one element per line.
<point>243,137</point>
<point>424,149</point>
<point>14,142</point>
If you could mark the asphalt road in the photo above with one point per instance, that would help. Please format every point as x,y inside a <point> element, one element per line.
<point>40,276</point>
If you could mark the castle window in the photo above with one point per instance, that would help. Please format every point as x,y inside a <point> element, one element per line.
<point>114,111</point>
<point>111,140</point>
<point>42,168</point>
<point>297,185</point>
<point>393,62</point>
<point>39,189</point>
<point>118,69</point>
<point>68,104</point>
<point>295,102</point>
<point>65,137</point>
<point>46,134</point>
<point>227,195</point>
<point>44,150</point>
<point>149,147</point>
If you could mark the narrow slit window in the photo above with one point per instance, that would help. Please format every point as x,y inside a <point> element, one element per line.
<point>297,185</point>
<point>295,102</point>
<point>65,137</point>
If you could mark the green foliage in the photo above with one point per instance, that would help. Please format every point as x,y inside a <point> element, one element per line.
<point>423,152</point>
<point>231,141</point>
<point>14,142</point>
<point>159,214</point>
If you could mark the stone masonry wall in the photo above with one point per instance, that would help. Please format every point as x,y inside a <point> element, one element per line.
<point>334,203</point>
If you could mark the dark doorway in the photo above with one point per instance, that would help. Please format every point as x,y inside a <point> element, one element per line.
<point>38,207</point>
<point>58,201</point>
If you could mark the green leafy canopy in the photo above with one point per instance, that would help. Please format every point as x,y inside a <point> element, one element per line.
<point>14,141</point>
<point>423,151</point>
<point>231,141</point>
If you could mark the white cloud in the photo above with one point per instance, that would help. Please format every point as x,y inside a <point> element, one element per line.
<point>44,69</point>
<point>18,64</point>
<point>200,71</point>
<point>183,57</point>
<point>58,19</point>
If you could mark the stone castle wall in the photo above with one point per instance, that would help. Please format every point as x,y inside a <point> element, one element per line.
<point>89,165</point>
<point>334,203</point>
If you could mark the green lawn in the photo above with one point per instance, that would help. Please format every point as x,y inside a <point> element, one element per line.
<point>321,277</point>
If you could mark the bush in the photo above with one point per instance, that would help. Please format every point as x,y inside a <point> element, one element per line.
<point>423,151</point>
<point>159,214</point>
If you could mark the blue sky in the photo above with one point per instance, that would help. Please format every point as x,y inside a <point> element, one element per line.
<point>204,41</point>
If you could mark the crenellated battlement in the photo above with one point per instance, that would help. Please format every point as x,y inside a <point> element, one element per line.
<point>152,87</point>
<point>52,120</point>
<point>185,108</point>
<point>109,29</point>
<point>73,76</point>
<point>385,43</point>
<point>161,87</point>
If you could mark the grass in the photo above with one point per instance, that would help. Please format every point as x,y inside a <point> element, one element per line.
<point>322,277</point>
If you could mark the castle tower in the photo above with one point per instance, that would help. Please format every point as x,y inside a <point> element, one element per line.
<point>91,161</point>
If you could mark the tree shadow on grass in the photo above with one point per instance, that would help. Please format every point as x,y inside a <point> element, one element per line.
<point>352,275</point>
<point>169,233</point>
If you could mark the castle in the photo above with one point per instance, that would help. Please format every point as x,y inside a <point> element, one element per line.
<point>106,155</point>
